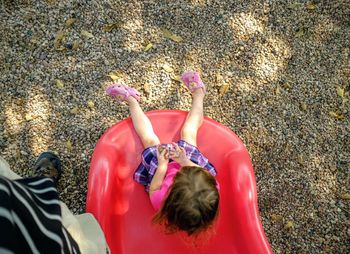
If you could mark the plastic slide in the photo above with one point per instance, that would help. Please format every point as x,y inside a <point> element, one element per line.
<point>124,211</point>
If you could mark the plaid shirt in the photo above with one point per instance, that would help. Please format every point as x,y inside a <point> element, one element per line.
<point>148,166</point>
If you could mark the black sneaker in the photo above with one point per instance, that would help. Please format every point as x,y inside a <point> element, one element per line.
<point>48,164</point>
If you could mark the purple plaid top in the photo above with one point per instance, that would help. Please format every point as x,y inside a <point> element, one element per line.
<point>149,163</point>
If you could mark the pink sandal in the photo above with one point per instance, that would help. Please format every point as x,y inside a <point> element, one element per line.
<point>122,92</point>
<point>192,81</point>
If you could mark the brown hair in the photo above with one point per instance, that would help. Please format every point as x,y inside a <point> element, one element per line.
<point>192,202</point>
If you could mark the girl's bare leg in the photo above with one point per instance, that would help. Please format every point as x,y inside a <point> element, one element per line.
<point>142,124</point>
<point>194,118</point>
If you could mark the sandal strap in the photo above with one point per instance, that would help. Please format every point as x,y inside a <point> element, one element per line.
<point>122,92</point>
<point>192,81</point>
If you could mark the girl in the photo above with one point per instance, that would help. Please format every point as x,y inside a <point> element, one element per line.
<point>178,177</point>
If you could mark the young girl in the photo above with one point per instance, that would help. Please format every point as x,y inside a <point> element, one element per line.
<point>178,177</point>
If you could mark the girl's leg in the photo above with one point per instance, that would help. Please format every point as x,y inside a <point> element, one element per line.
<point>194,118</point>
<point>142,124</point>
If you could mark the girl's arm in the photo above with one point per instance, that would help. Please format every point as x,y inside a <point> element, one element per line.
<point>158,177</point>
<point>157,180</point>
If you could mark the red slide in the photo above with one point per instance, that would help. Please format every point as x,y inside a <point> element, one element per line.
<point>124,211</point>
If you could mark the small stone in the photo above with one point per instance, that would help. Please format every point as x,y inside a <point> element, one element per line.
<point>43,56</point>
<point>276,217</point>
<point>344,196</point>
<point>2,142</point>
<point>289,225</point>
<point>28,117</point>
<point>69,45</point>
<point>91,104</point>
<point>24,153</point>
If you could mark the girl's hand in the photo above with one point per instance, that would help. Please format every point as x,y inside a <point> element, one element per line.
<point>179,155</point>
<point>162,155</point>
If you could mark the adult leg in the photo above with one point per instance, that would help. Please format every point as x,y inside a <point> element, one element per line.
<point>142,124</point>
<point>6,171</point>
<point>194,118</point>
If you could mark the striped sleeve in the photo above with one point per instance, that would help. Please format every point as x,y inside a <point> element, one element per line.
<point>30,218</point>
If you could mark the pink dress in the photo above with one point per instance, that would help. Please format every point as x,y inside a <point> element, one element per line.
<point>158,196</point>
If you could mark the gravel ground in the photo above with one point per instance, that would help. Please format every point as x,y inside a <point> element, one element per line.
<point>277,71</point>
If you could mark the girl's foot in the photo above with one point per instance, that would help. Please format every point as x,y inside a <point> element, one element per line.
<point>193,82</point>
<point>122,92</point>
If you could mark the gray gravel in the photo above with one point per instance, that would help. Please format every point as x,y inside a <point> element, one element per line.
<point>277,71</point>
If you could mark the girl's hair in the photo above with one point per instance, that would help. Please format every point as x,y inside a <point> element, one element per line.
<point>192,202</point>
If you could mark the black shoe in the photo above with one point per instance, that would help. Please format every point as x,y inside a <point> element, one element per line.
<point>49,165</point>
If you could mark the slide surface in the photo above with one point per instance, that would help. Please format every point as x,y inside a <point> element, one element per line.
<point>124,211</point>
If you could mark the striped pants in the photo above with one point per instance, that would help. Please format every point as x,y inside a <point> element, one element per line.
<point>33,220</point>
